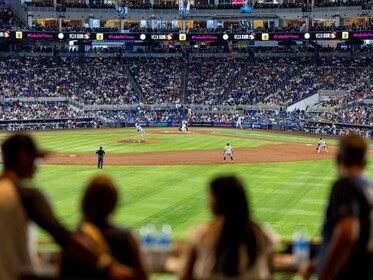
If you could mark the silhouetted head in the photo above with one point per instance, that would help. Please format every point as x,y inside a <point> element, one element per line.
<point>100,199</point>
<point>228,198</point>
<point>352,151</point>
<point>19,155</point>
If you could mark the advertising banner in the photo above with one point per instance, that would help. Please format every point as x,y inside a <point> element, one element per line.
<point>201,124</point>
<point>220,124</point>
<point>252,36</point>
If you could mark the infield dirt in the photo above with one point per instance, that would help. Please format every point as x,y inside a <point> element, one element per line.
<point>280,151</point>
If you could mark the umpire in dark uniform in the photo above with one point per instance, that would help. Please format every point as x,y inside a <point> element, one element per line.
<point>100,153</point>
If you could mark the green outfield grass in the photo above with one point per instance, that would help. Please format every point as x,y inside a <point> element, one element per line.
<point>283,195</point>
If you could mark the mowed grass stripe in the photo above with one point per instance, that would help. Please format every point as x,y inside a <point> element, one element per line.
<point>288,192</point>
<point>279,192</point>
<point>184,197</point>
<point>60,142</point>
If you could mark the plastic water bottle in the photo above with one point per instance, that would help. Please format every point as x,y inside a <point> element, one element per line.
<point>148,235</point>
<point>301,246</point>
<point>164,238</point>
<point>164,244</point>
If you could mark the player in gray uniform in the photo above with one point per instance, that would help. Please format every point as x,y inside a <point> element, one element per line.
<point>140,130</point>
<point>321,144</point>
<point>228,151</point>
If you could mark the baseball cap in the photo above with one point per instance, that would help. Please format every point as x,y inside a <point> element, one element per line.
<point>14,143</point>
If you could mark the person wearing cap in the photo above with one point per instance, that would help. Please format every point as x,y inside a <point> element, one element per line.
<point>20,204</point>
<point>100,154</point>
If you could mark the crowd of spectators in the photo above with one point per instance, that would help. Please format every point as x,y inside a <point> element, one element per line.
<point>39,111</point>
<point>58,115</point>
<point>263,81</point>
<point>286,81</point>
<point>18,115</point>
<point>277,5</point>
<point>197,5</point>
<point>39,3</point>
<point>159,79</point>
<point>208,80</point>
<point>8,20</point>
<point>338,3</point>
<point>105,81</point>
<point>90,81</point>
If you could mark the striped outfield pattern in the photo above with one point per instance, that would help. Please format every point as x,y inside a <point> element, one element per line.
<point>284,195</point>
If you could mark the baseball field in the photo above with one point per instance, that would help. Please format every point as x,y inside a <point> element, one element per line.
<point>164,178</point>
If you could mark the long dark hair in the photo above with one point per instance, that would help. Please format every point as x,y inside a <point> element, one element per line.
<point>238,227</point>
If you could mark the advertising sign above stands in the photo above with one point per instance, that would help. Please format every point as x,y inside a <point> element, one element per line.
<point>183,37</point>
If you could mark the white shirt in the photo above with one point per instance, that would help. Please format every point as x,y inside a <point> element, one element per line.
<point>322,143</point>
<point>228,149</point>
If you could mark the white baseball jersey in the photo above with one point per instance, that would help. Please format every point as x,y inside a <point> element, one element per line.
<point>139,128</point>
<point>228,150</point>
<point>322,143</point>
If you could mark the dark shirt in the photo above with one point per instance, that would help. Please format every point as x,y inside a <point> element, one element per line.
<point>350,196</point>
<point>122,246</point>
<point>100,153</point>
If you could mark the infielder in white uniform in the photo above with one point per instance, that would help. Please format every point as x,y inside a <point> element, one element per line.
<point>140,130</point>
<point>239,122</point>
<point>321,144</point>
<point>184,126</point>
<point>228,151</point>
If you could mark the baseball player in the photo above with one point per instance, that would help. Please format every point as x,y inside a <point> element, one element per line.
<point>140,130</point>
<point>321,144</point>
<point>100,154</point>
<point>228,151</point>
<point>239,122</point>
<point>184,126</point>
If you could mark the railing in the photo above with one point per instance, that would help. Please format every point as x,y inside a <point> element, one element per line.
<point>170,261</point>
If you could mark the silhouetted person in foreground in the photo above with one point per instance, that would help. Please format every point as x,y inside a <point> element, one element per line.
<point>20,204</point>
<point>99,201</point>
<point>347,241</point>
<point>232,245</point>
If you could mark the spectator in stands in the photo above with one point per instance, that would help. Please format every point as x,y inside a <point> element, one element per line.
<point>99,201</point>
<point>232,245</point>
<point>20,204</point>
<point>346,250</point>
